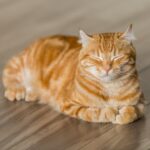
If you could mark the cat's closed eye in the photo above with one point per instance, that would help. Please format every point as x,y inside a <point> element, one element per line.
<point>98,58</point>
<point>86,63</point>
<point>114,58</point>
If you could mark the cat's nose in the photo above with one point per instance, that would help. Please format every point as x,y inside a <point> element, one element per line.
<point>107,69</point>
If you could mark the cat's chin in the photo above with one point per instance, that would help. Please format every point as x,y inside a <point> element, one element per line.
<point>108,79</point>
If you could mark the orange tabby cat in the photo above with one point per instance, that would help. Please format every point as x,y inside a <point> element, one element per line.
<point>96,80</point>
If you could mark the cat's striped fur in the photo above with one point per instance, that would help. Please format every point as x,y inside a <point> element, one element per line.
<point>95,81</point>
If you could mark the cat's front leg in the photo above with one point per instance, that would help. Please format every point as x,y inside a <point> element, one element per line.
<point>90,114</point>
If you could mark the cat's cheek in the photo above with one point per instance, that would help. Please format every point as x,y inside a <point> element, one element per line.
<point>93,70</point>
<point>102,74</point>
<point>85,63</point>
<point>126,68</point>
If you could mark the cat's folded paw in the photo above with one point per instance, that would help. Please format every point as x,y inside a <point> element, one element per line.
<point>108,114</point>
<point>126,115</point>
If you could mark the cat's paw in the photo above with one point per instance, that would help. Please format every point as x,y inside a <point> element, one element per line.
<point>15,94</point>
<point>126,115</point>
<point>20,94</point>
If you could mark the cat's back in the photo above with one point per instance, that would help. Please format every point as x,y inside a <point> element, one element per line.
<point>65,40</point>
<point>50,48</point>
<point>56,42</point>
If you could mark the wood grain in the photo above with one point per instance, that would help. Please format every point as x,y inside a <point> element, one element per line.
<point>37,127</point>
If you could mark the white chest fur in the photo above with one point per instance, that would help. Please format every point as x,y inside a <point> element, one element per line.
<point>113,88</point>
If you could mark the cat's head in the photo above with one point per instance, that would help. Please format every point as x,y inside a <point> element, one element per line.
<point>108,56</point>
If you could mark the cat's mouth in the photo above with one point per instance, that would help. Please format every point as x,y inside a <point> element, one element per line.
<point>108,77</point>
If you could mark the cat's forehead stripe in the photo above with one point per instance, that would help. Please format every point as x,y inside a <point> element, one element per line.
<point>106,42</point>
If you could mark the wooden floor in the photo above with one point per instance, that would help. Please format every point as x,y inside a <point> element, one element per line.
<point>37,127</point>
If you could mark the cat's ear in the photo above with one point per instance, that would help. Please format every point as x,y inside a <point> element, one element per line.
<point>84,38</point>
<point>128,34</point>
